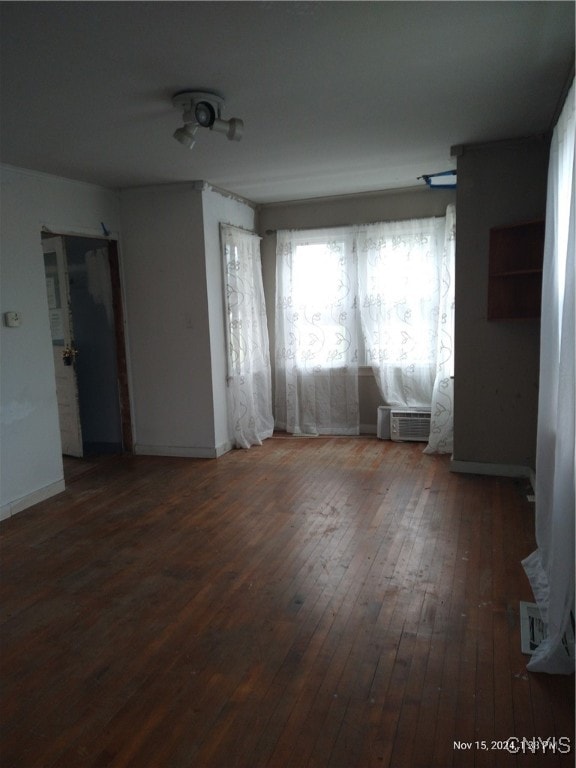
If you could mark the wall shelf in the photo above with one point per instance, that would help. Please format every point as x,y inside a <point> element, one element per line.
<point>515,271</point>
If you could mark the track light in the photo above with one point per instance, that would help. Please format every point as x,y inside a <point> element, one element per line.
<point>186,135</point>
<point>203,109</point>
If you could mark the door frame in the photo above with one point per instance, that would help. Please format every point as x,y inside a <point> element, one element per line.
<point>121,359</point>
<point>111,245</point>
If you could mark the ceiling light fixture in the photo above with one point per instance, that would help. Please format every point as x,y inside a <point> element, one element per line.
<point>204,109</point>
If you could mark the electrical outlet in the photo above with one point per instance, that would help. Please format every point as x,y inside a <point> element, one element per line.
<point>12,319</point>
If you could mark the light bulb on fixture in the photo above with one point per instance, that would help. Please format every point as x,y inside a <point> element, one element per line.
<point>186,135</point>
<point>205,114</point>
<point>233,128</point>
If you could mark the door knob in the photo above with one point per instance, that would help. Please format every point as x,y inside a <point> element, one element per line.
<point>69,355</point>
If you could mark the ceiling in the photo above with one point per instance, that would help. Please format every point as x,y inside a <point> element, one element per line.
<point>336,97</point>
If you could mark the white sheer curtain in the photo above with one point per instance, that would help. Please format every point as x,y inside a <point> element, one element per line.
<point>249,375</point>
<point>316,333</point>
<point>379,294</point>
<point>551,567</point>
<point>407,304</point>
<point>442,418</point>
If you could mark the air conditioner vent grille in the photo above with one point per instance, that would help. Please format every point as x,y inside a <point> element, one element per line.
<point>410,424</point>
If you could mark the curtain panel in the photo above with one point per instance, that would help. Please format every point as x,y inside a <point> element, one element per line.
<point>442,418</point>
<point>379,294</point>
<point>551,567</point>
<point>247,346</point>
<point>407,308</point>
<point>316,333</point>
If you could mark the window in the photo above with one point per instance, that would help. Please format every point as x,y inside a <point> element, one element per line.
<point>400,292</point>
<point>317,303</point>
<point>323,334</point>
<point>379,295</point>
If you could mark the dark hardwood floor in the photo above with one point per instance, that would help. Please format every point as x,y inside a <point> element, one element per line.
<point>330,603</point>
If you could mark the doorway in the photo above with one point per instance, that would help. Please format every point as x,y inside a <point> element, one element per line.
<point>86,321</point>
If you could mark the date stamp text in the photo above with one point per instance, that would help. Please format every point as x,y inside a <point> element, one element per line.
<point>520,745</point>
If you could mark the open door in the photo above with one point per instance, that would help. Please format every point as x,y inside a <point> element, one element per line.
<point>65,352</point>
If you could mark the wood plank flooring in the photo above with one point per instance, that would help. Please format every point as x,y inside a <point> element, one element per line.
<point>328,602</point>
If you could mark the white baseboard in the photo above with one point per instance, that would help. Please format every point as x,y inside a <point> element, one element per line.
<point>224,448</point>
<point>185,451</point>
<point>18,505</point>
<point>498,470</point>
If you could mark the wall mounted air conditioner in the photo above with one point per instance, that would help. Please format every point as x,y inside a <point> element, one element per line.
<point>410,424</point>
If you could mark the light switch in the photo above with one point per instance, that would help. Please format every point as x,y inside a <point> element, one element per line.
<point>13,319</point>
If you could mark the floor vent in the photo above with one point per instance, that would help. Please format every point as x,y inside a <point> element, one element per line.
<point>533,630</point>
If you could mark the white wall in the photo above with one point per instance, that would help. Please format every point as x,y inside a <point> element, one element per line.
<point>175,314</point>
<point>166,310</point>
<point>30,454</point>
<point>219,207</point>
